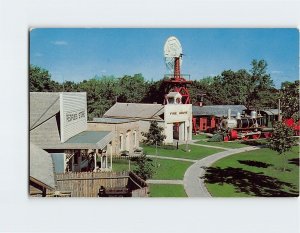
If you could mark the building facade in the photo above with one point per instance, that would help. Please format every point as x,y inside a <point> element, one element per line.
<point>174,117</point>
<point>58,125</point>
<point>126,133</point>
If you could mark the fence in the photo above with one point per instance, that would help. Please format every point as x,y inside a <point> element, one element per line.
<point>87,184</point>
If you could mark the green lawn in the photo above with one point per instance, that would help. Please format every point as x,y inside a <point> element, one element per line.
<point>199,137</point>
<point>170,169</point>
<point>167,190</point>
<point>256,173</point>
<point>164,169</point>
<point>196,152</point>
<point>233,144</point>
<point>122,165</point>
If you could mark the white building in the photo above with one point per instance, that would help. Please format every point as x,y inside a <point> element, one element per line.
<point>58,124</point>
<point>174,117</point>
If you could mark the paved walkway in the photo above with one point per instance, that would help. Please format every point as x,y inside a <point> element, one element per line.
<point>193,185</point>
<point>164,181</point>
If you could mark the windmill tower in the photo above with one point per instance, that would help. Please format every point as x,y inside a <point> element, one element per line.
<point>175,81</point>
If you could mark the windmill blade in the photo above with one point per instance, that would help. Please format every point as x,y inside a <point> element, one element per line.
<point>172,49</point>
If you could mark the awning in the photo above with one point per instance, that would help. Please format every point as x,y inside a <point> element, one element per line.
<point>85,140</point>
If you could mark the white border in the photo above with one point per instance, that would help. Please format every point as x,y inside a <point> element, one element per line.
<point>18,213</point>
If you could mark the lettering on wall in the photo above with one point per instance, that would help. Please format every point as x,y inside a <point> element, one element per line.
<point>73,116</point>
<point>180,113</point>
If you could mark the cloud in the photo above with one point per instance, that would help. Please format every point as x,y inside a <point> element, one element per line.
<point>103,71</point>
<point>38,54</point>
<point>59,42</point>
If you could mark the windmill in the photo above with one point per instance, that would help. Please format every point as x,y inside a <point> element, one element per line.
<point>175,80</point>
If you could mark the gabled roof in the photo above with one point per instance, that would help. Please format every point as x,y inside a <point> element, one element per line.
<point>135,111</point>
<point>41,167</point>
<point>111,120</point>
<point>271,111</point>
<point>217,110</point>
<point>43,105</point>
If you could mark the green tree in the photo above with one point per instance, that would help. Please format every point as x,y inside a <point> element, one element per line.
<point>40,80</point>
<point>144,168</point>
<point>261,87</point>
<point>155,134</point>
<point>281,140</point>
<point>133,88</point>
<point>101,94</point>
<point>290,99</point>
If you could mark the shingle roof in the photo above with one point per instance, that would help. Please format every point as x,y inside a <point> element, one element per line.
<point>112,120</point>
<point>271,111</point>
<point>217,110</point>
<point>46,133</point>
<point>43,105</point>
<point>135,111</point>
<point>41,167</point>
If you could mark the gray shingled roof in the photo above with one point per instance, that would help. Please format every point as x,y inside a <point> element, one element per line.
<point>135,111</point>
<point>43,105</point>
<point>41,167</point>
<point>112,120</point>
<point>46,133</point>
<point>271,111</point>
<point>217,110</point>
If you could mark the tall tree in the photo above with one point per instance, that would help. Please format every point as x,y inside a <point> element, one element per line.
<point>261,87</point>
<point>40,80</point>
<point>290,99</point>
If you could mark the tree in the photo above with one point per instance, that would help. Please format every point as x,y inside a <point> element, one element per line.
<point>290,100</point>
<point>261,87</point>
<point>145,167</point>
<point>155,135</point>
<point>133,88</point>
<point>281,140</point>
<point>40,80</point>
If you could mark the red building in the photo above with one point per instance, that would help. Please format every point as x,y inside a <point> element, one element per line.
<point>207,118</point>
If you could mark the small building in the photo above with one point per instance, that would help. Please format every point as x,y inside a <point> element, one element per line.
<point>174,117</point>
<point>207,118</point>
<point>58,125</point>
<point>126,133</point>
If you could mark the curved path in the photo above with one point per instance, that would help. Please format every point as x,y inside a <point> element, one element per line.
<point>193,185</point>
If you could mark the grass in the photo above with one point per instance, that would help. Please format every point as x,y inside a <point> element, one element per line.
<point>164,169</point>
<point>122,165</point>
<point>196,152</point>
<point>232,145</point>
<point>170,169</point>
<point>235,144</point>
<point>167,190</point>
<point>256,173</point>
<point>199,137</point>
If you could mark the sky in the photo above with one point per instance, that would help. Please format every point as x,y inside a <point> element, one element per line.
<point>80,54</point>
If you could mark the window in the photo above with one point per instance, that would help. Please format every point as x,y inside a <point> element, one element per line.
<point>121,142</point>
<point>134,138</point>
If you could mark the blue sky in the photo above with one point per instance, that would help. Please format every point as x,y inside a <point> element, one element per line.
<point>78,54</point>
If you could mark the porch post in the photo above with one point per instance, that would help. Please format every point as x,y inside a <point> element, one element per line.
<point>111,157</point>
<point>95,161</point>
